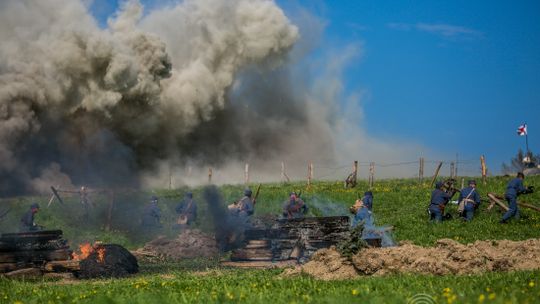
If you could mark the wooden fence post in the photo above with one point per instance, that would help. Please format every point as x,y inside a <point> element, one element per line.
<point>484,169</point>
<point>246,174</point>
<point>284,176</point>
<point>355,171</point>
<point>371,174</point>
<point>436,173</point>
<point>170,177</point>
<point>421,169</point>
<point>310,174</point>
<point>209,175</point>
<point>110,210</point>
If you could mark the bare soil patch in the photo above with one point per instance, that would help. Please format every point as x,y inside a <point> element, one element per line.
<point>191,243</point>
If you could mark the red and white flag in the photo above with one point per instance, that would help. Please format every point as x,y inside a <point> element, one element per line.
<point>522,130</point>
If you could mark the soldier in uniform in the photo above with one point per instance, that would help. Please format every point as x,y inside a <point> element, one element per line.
<point>439,199</point>
<point>368,200</point>
<point>27,221</point>
<point>151,215</point>
<point>294,207</point>
<point>186,210</point>
<point>245,206</point>
<point>514,188</point>
<point>470,200</point>
<point>362,214</point>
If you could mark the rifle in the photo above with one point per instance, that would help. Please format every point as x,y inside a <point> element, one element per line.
<point>256,194</point>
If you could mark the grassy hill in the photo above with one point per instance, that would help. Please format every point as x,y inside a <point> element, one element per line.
<point>400,203</point>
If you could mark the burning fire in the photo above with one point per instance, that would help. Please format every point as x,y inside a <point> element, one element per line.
<point>86,249</point>
<point>101,254</point>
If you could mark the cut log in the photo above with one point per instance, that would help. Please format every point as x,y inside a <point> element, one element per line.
<point>62,266</point>
<point>24,273</point>
<point>35,256</point>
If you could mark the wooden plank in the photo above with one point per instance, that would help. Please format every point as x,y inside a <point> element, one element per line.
<point>7,267</point>
<point>260,264</point>
<point>41,245</point>
<point>62,266</point>
<point>56,233</point>
<point>31,255</point>
<point>24,273</point>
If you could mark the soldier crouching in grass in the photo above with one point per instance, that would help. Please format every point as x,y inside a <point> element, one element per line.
<point>514,189</point>
<point>27,221</point>
<point>469,201</point>
<point>439,199</point>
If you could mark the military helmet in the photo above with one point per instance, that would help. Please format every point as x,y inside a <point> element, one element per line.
<point>34,206</point>
<point>247,192</point>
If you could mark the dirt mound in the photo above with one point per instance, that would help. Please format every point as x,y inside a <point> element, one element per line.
<point>450,257</point>
<point>447,257</point>
<point>326,264</point>
<point>191,243</point>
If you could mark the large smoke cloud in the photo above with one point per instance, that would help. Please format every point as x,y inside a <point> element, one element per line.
<point>202,83</point>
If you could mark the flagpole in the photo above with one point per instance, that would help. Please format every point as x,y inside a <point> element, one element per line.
<point>527,141</point>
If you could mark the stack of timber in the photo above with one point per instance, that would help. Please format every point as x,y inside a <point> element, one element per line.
<point>35,253</point>
<point>292,239</point>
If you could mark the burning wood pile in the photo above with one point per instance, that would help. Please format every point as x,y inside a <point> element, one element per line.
<point>291,240</point>
<point>46,253</point>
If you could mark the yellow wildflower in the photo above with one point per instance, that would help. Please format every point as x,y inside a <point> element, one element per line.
<point>531,284</point>
<point>481,298</point>
<point>354,292</point>
<point>491,296</point>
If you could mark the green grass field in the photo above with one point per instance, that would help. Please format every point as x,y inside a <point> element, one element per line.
<point>400,203</point>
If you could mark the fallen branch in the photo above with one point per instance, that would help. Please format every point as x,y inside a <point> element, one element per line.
<point>495,199</point>
<point>529,206</point>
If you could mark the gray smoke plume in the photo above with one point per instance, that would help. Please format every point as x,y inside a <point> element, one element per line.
<point>197,83</point>
<point>103,105</point>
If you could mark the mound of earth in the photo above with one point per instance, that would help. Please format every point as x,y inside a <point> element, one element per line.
<point>446,257</point>
<point>326,264</point>
<point>191,243</point>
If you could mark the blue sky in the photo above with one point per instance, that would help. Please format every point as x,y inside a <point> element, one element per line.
<point>455,76</point>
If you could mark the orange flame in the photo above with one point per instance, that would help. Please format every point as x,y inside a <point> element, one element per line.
<point>101,254</point>
<point>87,249</point>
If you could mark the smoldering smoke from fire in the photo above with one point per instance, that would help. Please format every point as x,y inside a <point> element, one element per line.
<point>200,82</point>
